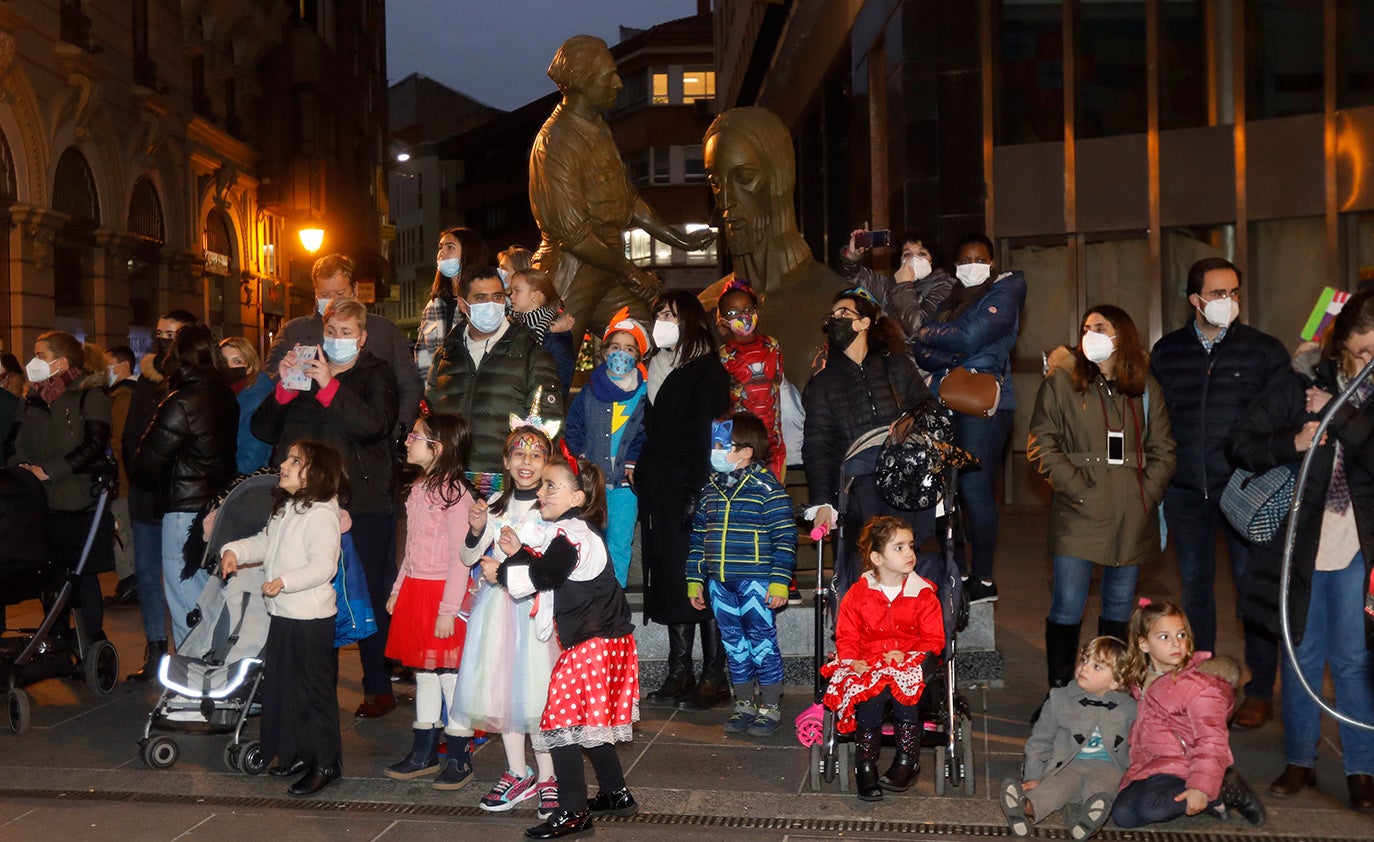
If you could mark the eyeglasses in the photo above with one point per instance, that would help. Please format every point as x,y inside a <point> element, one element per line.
<point>844,312</point>
<point>417,437</point>
<point>739,314</point>
<point>1217,295</point>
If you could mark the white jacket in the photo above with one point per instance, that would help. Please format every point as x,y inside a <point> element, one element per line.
<point>301,546</point>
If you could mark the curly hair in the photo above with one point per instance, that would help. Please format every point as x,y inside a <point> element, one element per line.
<point>1137,662</point>
<point>323,474</point>
<point>1106,650</point>
<point>877,534</point>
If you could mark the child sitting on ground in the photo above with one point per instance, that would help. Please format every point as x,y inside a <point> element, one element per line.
<point>742,552</point>
<point>889,624</point>
<point>1077,752</point>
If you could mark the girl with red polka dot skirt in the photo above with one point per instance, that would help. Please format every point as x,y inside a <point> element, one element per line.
<point>593,698</point>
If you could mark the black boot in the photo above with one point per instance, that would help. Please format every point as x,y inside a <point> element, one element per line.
<point>423,758</point>
<point>1061,652</point>
<point>680,679</point>
<point>713,688</point>
<point>152,659</point>
<point>866,745</point>
<point>1113,628</point>
<point>907,762</point>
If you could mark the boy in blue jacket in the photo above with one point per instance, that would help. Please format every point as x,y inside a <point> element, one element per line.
<point>743,550</point>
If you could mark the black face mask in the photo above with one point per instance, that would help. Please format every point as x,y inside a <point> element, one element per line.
<point>839,331</point>
<point>236,373</point>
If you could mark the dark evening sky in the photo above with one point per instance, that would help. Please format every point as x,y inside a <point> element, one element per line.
<point>496,51</point>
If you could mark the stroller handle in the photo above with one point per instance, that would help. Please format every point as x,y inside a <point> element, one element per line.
<point>819,531</point>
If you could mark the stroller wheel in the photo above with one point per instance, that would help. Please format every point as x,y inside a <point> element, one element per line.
<point>941,770</point>
<point>19,710</point>
<point>160,752</point>
<point>231,756</point>
<point>252,760</point>
<point>102,668</point>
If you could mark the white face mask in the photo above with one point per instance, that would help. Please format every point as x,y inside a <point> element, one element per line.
<point>321,303</point>
<point>972,274</point>
<point>1098,347</point>
<point>919,266</point>
<point>38,370</point>
<point>486,316</point>
<point>666,334</point>
<point>449,267</point>
<point>1221,312</point>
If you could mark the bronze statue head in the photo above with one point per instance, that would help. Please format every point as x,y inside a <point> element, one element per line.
<point>584,64</point>
<point>752,170</point>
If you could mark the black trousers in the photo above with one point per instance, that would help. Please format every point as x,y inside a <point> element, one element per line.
<point>374,537</point>
<point>299,693</point>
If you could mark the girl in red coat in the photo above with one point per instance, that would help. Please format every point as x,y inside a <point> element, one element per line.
<point>1180,748</point>
<point>889,623</point>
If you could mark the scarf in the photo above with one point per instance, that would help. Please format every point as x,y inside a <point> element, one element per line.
<point>52,388</point>
<point>660,366</point>
<point>1338,492</point>
<point>538,320</point>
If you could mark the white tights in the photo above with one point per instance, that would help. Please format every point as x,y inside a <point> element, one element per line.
<point>515,757</point>
<point>433,694</point>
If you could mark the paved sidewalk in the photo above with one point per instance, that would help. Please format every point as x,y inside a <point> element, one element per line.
<point>77,771</point>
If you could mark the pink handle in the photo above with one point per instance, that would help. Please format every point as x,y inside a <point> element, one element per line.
<point>819,531</point>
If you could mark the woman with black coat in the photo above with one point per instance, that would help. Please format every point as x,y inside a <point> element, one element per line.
<point>350,405</point>
<point>1334,547</point>
<point>187,455</point>
<point>688,388</point>
<point>868,381</point>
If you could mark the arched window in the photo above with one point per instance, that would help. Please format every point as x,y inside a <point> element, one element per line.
<point>145,212</point>
<point>219,244</point>
<point>74,251</point>
<point>74,188</point>
<point>145,221</point>
<point>9,186</point>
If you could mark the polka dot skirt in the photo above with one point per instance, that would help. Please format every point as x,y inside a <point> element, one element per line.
<point>595,684</point>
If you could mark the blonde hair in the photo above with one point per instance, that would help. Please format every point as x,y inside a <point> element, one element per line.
<point>1137,663</point>
<point>1106,650</point>
<point>539,282</point>
<point>245,350</point>
<point>347,308</point>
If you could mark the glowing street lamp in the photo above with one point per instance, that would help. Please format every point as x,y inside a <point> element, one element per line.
<point>312,239</point>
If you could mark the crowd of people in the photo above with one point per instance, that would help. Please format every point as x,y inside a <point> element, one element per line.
<point>494,507</point>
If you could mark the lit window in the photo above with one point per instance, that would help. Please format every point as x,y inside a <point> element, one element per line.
<point>698,83</point>
<point>660,87</point>
<point>637,245</point>
<point>663,254</point>
<point>705,257</point>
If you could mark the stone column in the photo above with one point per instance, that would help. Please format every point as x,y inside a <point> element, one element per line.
<point>110,288</point>
<point>30,309</point>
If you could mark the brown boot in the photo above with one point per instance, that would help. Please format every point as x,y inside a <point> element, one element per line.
<point>1253,713</point>
<point>1292,780</point>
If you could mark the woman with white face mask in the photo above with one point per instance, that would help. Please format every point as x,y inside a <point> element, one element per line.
<point>459,249</point>
<point>913,293</point>
<point>1100,436</point>
<point>975,328</point>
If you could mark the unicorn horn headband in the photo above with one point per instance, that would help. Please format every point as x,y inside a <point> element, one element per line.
<point>548,428</point>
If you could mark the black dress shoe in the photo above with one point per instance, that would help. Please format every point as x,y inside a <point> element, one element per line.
<point>705,695</point>
<point>1361,791</point>
<point>618,803</point>
<point>376,706</point>
<point>279,771</point>
<point>560,824</point>
<point>315,780</point>
<point>1292,780</point>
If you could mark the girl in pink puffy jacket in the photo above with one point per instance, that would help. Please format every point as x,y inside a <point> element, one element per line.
<point>1180,748</point>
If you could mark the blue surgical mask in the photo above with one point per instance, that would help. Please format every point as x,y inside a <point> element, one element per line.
<point>504,276</point>
<point>720,461</point>
<point>321,304</point>
<point>620,363</point>
<point>339,349</point>
<point>486,316</point>
<point>449,267</point>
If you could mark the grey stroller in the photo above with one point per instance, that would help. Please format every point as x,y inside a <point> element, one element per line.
<point>210,685</point>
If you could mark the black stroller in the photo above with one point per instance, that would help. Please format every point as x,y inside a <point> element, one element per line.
<point>946,720</point>
<point>57,648</point>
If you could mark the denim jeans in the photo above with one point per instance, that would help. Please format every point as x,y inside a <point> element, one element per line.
<point>622,509</point>
<point>1149,801</point>
<point>1072,578</point>
<point>182,594</point>
<point>152,603</point>
<point>1333,636</point>
<point>984,438</point>
<point>1193,522</point>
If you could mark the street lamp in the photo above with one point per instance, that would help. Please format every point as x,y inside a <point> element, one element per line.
<point>312,238</point>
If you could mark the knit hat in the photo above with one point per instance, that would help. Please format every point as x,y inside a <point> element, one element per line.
<point>622,323</point>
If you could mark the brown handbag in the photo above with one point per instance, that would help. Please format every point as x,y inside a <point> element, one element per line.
<point>970,392</point>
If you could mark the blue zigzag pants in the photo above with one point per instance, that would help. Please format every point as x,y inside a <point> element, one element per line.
<point>747,630</point>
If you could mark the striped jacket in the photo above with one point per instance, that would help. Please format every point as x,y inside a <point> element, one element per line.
<point>743,530</point>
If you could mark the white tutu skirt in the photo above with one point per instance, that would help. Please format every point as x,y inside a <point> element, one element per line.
<point>503,680</point>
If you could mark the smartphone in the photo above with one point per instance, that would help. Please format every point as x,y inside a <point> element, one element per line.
<point>295,377</point>
<point>872,239</point>
<point>1116,447</point>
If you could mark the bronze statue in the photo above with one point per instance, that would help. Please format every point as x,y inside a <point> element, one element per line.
<point>582,198</point>
<point>753,172</point>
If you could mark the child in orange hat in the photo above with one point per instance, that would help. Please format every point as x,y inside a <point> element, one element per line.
<point>605,425</point>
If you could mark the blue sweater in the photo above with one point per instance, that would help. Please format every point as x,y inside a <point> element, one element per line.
<point>253,453</point>
<point>980,339</point>
<point>591,421</point>
<point>743,529</point>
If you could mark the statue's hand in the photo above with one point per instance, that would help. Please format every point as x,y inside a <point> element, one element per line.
<point>644,284</point>
<point>699,239</point>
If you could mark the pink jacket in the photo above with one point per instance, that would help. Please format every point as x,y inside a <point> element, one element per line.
<point>1180,728</point>
<point>434,535</point>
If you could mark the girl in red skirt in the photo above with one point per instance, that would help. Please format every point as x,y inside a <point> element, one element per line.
<point>593,698</point>
<point>426,604</point>
<point>889,623</point>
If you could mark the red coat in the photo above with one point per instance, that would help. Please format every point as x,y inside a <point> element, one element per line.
<point>869,625</point>
<point>1180,728</point>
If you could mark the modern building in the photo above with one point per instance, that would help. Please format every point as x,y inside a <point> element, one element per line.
<point>1104,145</point>
<point>161,154</point>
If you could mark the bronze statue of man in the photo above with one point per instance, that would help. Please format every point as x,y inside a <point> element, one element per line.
<point>583,199</point>
<point>753,171</point>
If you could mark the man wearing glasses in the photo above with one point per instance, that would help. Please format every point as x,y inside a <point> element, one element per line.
<point>1210,369</point>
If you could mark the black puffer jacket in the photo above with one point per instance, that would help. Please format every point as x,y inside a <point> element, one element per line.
<point>67,440</point>
<point>1263,439</point>
<point>358,422</point>
<point>843,401</point>
<point>1207,394</point>
<point>511,372</point>
<point>188,453</point>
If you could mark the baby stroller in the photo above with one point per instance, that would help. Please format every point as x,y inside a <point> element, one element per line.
<point>57,648</point>
<point>946,720</point>
<point>210,685</point>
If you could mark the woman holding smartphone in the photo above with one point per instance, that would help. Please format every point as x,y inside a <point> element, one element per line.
<point>1100,437</point>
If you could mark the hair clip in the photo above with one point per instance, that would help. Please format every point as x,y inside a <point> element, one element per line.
<point>1142,602</point>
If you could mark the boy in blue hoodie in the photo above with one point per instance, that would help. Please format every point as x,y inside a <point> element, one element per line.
<point>743,550</point>
<point>605,425</point>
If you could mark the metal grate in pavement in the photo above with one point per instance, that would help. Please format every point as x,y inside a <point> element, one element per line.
<point>798,825</point>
